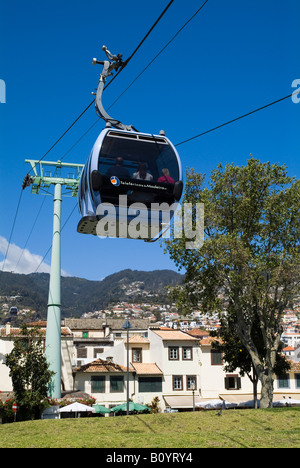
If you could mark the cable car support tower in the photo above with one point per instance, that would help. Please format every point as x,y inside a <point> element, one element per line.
<point>41,182</point>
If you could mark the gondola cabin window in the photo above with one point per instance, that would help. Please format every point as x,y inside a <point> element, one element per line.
<point>134,149</point>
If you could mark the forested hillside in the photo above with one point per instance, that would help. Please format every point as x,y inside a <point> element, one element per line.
<point>80,295</point>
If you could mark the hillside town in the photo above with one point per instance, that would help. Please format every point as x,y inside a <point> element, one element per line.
<point>172,358</point>
<point>164,315</point>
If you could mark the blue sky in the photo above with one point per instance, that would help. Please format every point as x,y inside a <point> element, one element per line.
<point>233,57</point>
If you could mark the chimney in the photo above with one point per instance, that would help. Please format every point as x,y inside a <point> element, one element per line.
<point>7,329</point>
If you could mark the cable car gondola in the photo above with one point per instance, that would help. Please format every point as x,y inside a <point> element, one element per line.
<point>131,182</point>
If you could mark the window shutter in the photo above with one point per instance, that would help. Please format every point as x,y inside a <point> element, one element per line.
<point>227,383</point>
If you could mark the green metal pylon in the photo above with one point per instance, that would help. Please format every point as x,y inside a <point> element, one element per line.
<point>41,181</point>
<point>53,333</point>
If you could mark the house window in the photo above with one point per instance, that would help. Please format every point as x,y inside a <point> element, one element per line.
<point>98,384</point>
<point>283,381</point>
<point>173,353</point>
<point>297,380</point>
<point>116,383</point>
<point>187,354</point>
<point>232,382</point>
<point>82,352</point>
<point>216,358</point>
<point>150,384</point>
<point>177,382</point>
<point>98,351</point>
<point>85,334</point>
<point>191,382</point>
<point>136,354</point>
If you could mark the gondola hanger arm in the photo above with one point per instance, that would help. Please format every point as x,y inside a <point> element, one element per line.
<point>113,63</point>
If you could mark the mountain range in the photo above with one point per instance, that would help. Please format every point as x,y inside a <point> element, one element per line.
<point>80,295</point>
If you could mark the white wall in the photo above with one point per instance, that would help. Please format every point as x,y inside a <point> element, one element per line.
<point>6,345</point>
<point>83,383</point>
<point>212,381</point>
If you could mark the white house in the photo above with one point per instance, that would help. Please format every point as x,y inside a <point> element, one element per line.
<point>291,338</point>
<point>104,380</point>
<point>7,335</point>
<point>95,338</point>
<point>164,365</point>
<point>177,354</point>
<point>180,368</point>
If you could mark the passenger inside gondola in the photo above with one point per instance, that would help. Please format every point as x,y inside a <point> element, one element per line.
<point>154,153</point>
<point>142,173</point>
<point>166,178</point>
<point>118,170</point>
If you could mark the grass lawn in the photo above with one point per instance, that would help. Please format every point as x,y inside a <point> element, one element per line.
<point>271,428</point>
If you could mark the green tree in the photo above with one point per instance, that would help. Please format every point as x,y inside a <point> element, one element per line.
<point>248,266</point>
<point>29,372</point>
<point>236,356</point>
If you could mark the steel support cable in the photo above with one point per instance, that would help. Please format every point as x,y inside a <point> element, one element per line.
<point>12,229</point>
<point>141,73</point>
<point>207,131</point>
<point>160,52</point>
<point>197,136</point>
<point>91,103</point>
<point>30,233</point>
<point>72,211</point>
<point>140,44</point>
<point>238,118</point>
<point>82,113</point>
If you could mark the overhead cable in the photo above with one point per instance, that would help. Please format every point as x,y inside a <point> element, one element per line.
<point>123,66</point>
<point>141,73</point>
<point>237,118</point>
<point>12,229</point>
<point>82,113</point>
<point>160,52</point>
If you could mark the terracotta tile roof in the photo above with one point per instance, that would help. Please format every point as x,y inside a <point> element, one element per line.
<point>12,332</point>
<point>98,324</point>
<point>99,365</point>
<point>65,331</point>
<point>209,340</point>
<point>146,368</point>
<point>295,366</point>
<point>137,339</point>
<point>174,335</point>
<point>39,323</point>
<point>198,333</point>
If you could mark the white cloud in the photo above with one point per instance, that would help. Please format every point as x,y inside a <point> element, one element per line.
<point>22,261</point>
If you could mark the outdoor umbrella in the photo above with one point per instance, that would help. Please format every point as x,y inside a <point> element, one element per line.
<point>215,404</point>
<point>286,402</point>
<point>101,409</point>
<point>132,407</point>
<point>76,408</point>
